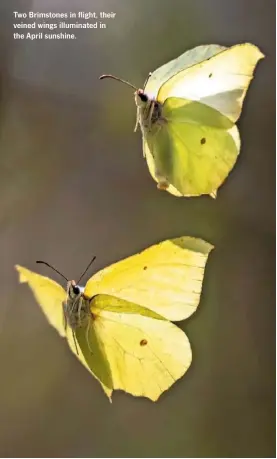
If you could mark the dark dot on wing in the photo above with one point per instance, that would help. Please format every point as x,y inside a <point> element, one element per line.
<point>145,268</point>
<point>143,342</point>
<point>203,141</point>
<point>210,76</point>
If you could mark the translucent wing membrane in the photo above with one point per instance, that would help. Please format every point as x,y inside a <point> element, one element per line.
<point>220,82</point>
<point>187,59</point>
<point>166,278</point>
<point>49,295</point>
<point>146,355</point>
<point>194,151</point>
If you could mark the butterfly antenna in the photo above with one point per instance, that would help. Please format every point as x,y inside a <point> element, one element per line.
<point>146,81</point>
<point>52,267</point>
<point>88,266</point>
<point>118,79</point>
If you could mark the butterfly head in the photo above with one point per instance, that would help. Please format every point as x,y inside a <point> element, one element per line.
<point>76,307</point>
<point>74,291</point>
<point>141,98</point>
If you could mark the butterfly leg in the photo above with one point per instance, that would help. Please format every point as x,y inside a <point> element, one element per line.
<point>79,309</point>
<point>87,337</point>
<point>74,339</point>
<point>64,318</point>
<point>137,120</point>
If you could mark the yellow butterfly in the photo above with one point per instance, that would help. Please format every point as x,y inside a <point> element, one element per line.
<point>187,112</point>
<point>119,326</point>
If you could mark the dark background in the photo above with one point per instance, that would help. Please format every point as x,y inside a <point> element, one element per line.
<point>73,184</point>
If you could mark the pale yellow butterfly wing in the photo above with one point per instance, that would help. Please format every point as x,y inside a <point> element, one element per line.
<point>174,154</point>
<point>91,353</point>
<point>182,62</point>
<point>49,295</point>
<point>152,168</point>
<point>146,355</point>
<point>166,278</point>
<point>220,81</point>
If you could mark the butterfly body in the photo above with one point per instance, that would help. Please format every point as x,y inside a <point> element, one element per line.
<point>76,312</point>
<point>149,111</point>
<point>76,307</point>
<point>150,118</point>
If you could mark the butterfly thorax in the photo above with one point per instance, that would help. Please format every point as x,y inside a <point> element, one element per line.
<point>76,308</point>
<point>149,111</point>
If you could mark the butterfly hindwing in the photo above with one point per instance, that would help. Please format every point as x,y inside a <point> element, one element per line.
<point>194,150</point>
<point>146,353</point>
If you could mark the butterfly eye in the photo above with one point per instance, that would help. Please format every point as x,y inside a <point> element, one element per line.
<point>76,289</point>
<point>143,96</point>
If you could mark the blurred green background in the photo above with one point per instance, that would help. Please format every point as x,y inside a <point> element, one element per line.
<point>74,184</point>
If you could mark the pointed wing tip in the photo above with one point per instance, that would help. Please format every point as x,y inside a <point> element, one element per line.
<point>108,392</point>
<point>209,246</point>
<point>154,399</point>
<point>20,270</point>
<point>194,243</point>
<point>256,49</point>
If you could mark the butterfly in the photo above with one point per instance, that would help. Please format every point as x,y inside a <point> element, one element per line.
<point>187,112</point>
<point>119,325</point>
